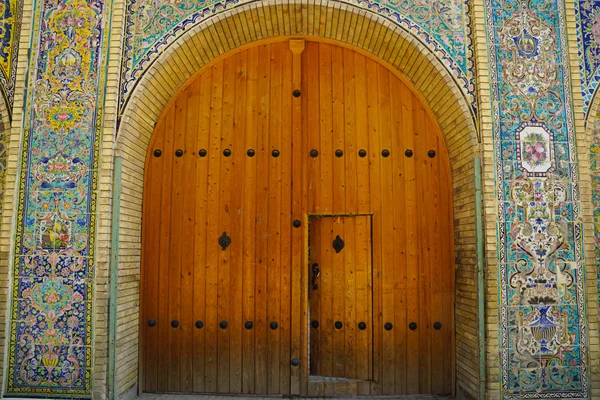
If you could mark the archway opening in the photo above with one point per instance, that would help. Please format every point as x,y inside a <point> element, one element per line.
<point>297,232</point>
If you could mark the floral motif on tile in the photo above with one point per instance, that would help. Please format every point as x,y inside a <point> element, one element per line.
<point>53,267</point>
<point>587,18</point>
<point>11,13</point>
<point>543,338</point>
<point>443,26</point>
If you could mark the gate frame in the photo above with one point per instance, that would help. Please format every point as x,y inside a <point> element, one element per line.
<point>371,35</point>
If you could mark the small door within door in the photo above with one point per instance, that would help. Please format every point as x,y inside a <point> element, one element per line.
<point>341,297</point>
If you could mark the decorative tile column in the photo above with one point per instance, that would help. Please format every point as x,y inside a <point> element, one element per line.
<point>51,328</point>
<point>543,332</point>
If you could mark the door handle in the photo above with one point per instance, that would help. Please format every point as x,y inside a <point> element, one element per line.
<point>315,272</point>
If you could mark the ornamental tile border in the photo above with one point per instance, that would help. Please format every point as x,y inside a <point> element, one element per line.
<point>51,330</point>
<point>543,332</point>
<point>451,43</point>
<point>11,16</point>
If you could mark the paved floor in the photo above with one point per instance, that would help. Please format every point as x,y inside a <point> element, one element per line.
<point>146,396</point>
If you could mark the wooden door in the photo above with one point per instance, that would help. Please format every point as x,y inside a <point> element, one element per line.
<point>341,291</point>
<point>260,143</point>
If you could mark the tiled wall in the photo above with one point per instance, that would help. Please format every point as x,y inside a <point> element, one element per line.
<point>51,328</point>
<point>543,341</point>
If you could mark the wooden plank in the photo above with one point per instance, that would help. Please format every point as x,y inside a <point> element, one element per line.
<point>375,200</point>
<point>434,210</point>
<point>200,231</point>
<point>273,226</point>
<point>412,243</point>
<point>387,226</point>
<point>213,232</point>
<point>298,381</point>
<point>424,220</point>
<point>364,273</point>
<point>311,125</point>
<point>249,217</point>
<point>400,221</point>
<point>338,278</point>
<point>315,340</point>
<point>349,289</point>
<point>151,238</point>
<point>187,237</point>
<point>224,206</point>
<point>236,213</point>
<point>286,223</point>
<point>177,130</point>
<point>262,190</point>
<point>163,321</point>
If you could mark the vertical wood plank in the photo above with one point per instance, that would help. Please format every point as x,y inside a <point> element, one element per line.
<point>187,237</point>
<point>400,221</point>
<point>163,322</point>
<point>262,196</point>
<point>274,218</point>
<point>237,212</point>
<point>424,326</point>
<point>412,242</point>
<point>286,222</point>
<point>298,380</point>
<point>375,200</point>
<point>249,264</point>
<point>223,271</point>
<point>200,230</point>
<point>387,226</point>
<point>212,235</point>
<point>174,345</point>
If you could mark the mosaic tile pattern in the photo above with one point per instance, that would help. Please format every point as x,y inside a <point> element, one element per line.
<point>543,341</point>
<point>442,25</point>
<point>595,173</point>
<point>588,40</point>
<point>11,13</point>
<point>53,270</point>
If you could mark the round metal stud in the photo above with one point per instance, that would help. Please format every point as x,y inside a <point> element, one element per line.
<point>248,325</point>
<point>178,152</point>
<point>362,153</point>
<point>296,93</point>
<point>251,153</point>
<point>199,324</point>
<point>295,362</point>
<point>314,153</point>
<point>202,153</point>
<point>431,153</point>
<point>338,325</point>
<point>297,223</point>
<point>388,326</point>
<point>385,153</point>
<point>362,326</point>
<point>314,324</point>
<point>412,326</point>
<point>157,153</point>
<point>273,325</point>
<point>275,153</point>
<point>151,323</point>
<point>437,326</point>
<point>408,153</point>
<point>226,152</point>
<point>339,153</point>
<point>174,323</point>
<point>223,324</point>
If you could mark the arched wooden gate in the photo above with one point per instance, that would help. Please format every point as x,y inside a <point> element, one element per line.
<point>297,231</point>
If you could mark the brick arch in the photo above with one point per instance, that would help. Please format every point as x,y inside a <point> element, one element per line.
<point>370,34</point>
